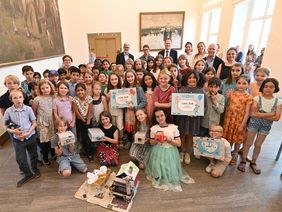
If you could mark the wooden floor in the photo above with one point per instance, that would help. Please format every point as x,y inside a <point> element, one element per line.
<point>235,191</point>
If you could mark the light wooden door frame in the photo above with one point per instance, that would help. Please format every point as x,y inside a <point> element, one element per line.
<point>105,45</point>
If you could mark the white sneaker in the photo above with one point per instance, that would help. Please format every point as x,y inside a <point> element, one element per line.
<point>197,157</point>
<point>181,155</point>
<point>187,159</point>
<point>209,167</point>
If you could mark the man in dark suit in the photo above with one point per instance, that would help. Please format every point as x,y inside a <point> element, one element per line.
<point>125,55</point>
<point>168,51</point>
<point>213,60</point>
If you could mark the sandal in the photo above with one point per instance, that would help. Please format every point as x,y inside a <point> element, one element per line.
<point>242,166</point>
<point>254,168</point>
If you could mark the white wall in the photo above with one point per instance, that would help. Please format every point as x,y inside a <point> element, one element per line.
<point>99,16</point>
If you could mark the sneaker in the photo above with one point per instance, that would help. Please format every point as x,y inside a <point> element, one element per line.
<point>24,180</point>
<point>209,167</point>
<point>37,173</point>
<point>187,159</point>
<point>181,155</point>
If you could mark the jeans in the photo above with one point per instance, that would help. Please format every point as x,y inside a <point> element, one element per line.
<point>21,148</point>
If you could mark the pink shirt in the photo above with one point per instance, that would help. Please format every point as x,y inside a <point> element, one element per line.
<point>63,107</point>
<point>163,96</point>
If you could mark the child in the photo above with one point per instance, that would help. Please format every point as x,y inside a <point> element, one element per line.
<point>107,149</point>
<point>43,109</point>
<point>249,70</point>
<point>116,113</point>
<point>229,84</point>
<point>137,65</point>
<point>183,64</point>
<point>67,156</point>
<point>149,84</point>
<point>150,64</point>
<point>36,76</point>
<point>33,89</point>
<point>62,75</point>
<point>237,114</point>
<point>162,93</point>
<point>139,151</point>
<point>176,76</point>
<point>201,66</point>
<point>99,103</point>
<point>12,83</point>
<point>209,73</point>
<point>113,67</point>
<point>23,137</point>
<point>163,166</point>
<point>130,81</point>
<point>88,81</point>
<point>139,75</point>
<point>265,109</point>
<point>189,125</point>
<point>217,167</point>
<point>120,72</point>
<point>95,72</point>
<point>28,72</point>
<point>106,67</point>
<point>82,104</point>
<point>46,74</point>
<point>157,66</point>
<point>215,106</point>
<point>261,74</point>
<point>128,64</point>
<point>62,105</point>
<point>167,62</point>
<point>53,77</point>
<point>82,68</point>
<point>102,78</point>
<point>74,77</point>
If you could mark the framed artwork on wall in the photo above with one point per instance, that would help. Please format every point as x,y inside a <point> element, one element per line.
<point>155,27</point>
<point>30,30</point>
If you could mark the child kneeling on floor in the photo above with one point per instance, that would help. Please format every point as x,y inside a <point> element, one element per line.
<point>217,167</point>
<point>67,155</point>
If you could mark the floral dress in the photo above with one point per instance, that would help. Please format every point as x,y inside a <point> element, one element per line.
<point>234,116</point>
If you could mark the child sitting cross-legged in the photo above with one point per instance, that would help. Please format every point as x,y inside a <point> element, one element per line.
<point>217,167</point>
<point>67,155</point>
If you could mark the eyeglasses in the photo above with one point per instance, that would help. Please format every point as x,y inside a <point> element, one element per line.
<point>219,131</point>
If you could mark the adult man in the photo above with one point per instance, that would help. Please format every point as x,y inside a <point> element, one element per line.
<point>213,60</point>
<point>146,54</point>
<point>168,52</point>
<point>125,55</point>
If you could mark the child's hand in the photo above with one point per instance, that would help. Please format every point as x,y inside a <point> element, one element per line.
<point>17,131</point>
<point>229,92</point>
<point>241,128</point>
<point>104,138</point>
<point>59,150</point>
<point>72,124</point>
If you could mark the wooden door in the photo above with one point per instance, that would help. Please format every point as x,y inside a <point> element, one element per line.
<point>105,45</point>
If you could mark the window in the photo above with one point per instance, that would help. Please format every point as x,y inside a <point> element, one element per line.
<point>254,28</point>
<point>210,25</point>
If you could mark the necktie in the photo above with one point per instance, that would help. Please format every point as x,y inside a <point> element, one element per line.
<point>166,53</point>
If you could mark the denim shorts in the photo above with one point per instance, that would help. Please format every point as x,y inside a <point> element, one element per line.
<point>66,162</point>
<point>259,125</point>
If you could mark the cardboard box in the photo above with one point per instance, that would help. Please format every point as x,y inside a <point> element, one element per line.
<point>159,136</point>
<point>140,137</point>
<point>95,134</point>
<point>66,138</point>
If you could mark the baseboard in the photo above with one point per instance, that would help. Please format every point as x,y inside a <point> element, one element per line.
<point>4,137</point>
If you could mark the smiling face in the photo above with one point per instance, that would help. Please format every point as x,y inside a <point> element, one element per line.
<point>62,127</point>
<point>163,80</point>
<point>160,117</point>
<point>80,92</point>
<point>105,121</point>
<point>188,48</point>
<point>167,44</point>
<point>87,78</point>
<point>148,81</point>
<point>216,132</point>
<point>106,65</point>
<point>167,62</point>
<point>242,85</point>
<point>114,80</point>
<point>63,90</point>
<point>96,90</point>
<point>268,89</point>
<point>102,79</point>
<point>201,48</point>
<point>45,89</point>
<point>130,78</point>
<point>260,76</point>
<point>231,54</point>
<point>141,115</point>
<point>192,80</point>
<point>200,66</point>
<point>209,75</point>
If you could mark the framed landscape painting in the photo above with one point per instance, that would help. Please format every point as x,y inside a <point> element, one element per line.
<point>155,27</point>
<point>30,30</point>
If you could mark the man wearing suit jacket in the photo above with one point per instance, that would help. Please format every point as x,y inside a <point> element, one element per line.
<point>168,51</point>
<point>125,55</point>
<point>213,60</point>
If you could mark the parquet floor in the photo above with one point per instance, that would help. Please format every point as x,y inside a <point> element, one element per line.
<point>235,191</point>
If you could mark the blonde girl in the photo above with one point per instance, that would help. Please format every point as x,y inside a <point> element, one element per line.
<point>261,74</point>
<point>88,81</point>
<point>43,109</point>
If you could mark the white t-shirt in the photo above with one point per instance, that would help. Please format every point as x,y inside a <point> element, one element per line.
<point>267,104</point>
<point>170,131</point>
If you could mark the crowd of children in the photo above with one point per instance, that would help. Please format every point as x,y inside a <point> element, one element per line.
<point>78,98</point>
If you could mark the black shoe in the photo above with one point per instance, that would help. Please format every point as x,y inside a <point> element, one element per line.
<point>37,173</point>
<point>24,180</point>
<point>47,164</point>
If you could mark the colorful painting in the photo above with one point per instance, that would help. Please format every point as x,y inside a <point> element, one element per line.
<point>157,26</point>
<point>30,30</point>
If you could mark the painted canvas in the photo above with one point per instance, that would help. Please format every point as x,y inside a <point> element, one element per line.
<point>156,27</point>
<point>29,30</point>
